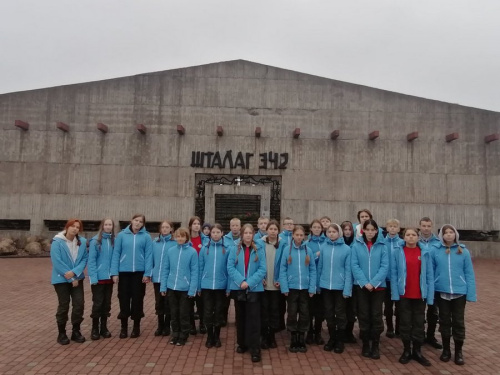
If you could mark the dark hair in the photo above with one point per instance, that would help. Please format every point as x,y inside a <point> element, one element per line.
<point>101,228</point>
<point>425,218</point>
<point>143,219</point>
<point>219,227</point>
<point>273,222</point>
<point>192,219</point>
<point>70,223</point>
<point>448,249</point>
<point>315,221</point>
<point>375,225</point>
<point>365,210</point>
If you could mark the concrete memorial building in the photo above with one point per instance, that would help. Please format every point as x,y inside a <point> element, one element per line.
<point>243,139</point>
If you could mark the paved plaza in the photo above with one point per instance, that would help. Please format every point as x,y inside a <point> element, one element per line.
<point>28,338</point>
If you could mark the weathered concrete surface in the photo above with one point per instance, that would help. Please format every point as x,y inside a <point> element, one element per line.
<point>48,174</point>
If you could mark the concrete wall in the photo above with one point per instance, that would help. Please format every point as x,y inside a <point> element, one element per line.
<point>48,174</point>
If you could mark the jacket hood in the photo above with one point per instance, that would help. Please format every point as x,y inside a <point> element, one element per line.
<point>314,238</point>
<point>339,229</point>
<point>380,239</point>
<point>338,241</point>
<point>162,238</point>
<point>61,236</point>
<point>286,233</point>
<point>128,230</point>
<point>441,234</point>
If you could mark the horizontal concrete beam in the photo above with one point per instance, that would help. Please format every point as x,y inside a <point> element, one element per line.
<point>22,125</point>
<point>62,126</point>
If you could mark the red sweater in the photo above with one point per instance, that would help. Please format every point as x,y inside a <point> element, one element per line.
<point>196,241</point>
<point>413,267</point>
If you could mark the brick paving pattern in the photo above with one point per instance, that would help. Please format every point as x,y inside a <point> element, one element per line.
<point>28,338</point>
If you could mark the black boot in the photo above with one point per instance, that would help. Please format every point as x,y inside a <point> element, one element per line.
<point>203,328</point>
<point>294,346</point>
<point>272,339</point>
<point>406,356</point>
<point>417,354</point>
<point>365,350</point>
<point>348,336</point>
<point>446,354</point>
<point>331,341</point>
<point>210,337</point>
<point>76,334</point>
<point>61,337</point>
<point>104,328</point>
<point>217,342</point>
<point>166,327</point>
<point>375,348</point>
<point>255,355</point>
<point>430,338</point>
<point>193,330</point>
<point>390,329</point>
<point>339,342</point>
<point>459,359</point>
<point>136,331</point>
<point>161,325</point>
<point>302,343</point>
<point>124,329</point>
<point>94,334</point>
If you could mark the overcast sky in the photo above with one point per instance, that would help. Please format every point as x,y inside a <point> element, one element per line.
<point>447,50</point>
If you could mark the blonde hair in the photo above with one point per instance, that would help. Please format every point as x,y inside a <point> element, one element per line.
<point>252,244</point>
<point>182,232</point>
<point>393,221</point>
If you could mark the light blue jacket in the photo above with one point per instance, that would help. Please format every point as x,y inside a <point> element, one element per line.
<point>228,238</point>
<point>297,275</point>
<point>453,272</point>
<point>256,268</point>
<point>180,270</point>
<point>370,266</point>
<point>161,245</point>
<point>259,235</point>
<point>334,266</point>
<point>204,239</point>
<point>285,240</point>
<point>314,243</point>
<point>133,252</point>
<point>433,240</point>
<point>286,236</point>
<point>62,261</point>
<point>392,243</point>
<point>99,265</point>
<point>398,273</point>
<point>213,266</point>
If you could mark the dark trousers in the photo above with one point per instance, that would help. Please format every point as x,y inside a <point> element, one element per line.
<point>452,317</point>
<point>298,303</point>
<point>161,303</point>
<point>412,319</point>
<point>316,313</point>
<point>432,316</point>
<point>214,304</point>
<point>335,309</point>
<point>131,291</point>
<point>198,300</point>
<point>180,309</point>
<point>371,324</point>
<point>350,307</point>
<point>282,311</point>
<point>101,300</point>
<point>248,326</point>
<point>270,311</point>
<point>66,292</point>
<point>390,306</point>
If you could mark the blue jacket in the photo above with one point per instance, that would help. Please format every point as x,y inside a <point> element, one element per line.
<point>398,273</point>
<point>228,238</point>
<point>284,244</point>
<point>334,266</point>
<point>62,261</point>
<point>180,269</point>
<point>256,268</point>
<point>161,244</point>
<point>453,272</point>
<point>314,243</point>
<point>392,243</point>
<point>133,252</point>
<point>213,266</point>
<point>432,241</point>
<point>259,235</point>
<point>297,275</point>
<point>286,236</point>
<point>99,265</point>
<point>370,266</point>
<point>204,239</point>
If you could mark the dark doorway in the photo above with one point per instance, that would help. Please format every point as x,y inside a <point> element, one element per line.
<point>244,207</point>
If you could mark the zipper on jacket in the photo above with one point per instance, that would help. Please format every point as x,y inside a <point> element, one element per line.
<point>133,256</point>
<point>331,266</point>
<point>449,272</point>
<point>215,262</point>
<point>161,260</point>
<point>177,273</point>
<point>369,262</point>
<point>109,250</point>
<point>300,273</point>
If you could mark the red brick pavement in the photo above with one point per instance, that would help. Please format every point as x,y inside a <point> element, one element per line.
<point>28,339</point>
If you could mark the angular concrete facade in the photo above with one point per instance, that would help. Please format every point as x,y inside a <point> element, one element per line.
<point>49,174</point>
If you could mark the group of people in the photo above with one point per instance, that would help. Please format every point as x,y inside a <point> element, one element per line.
<point>338,273</point>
